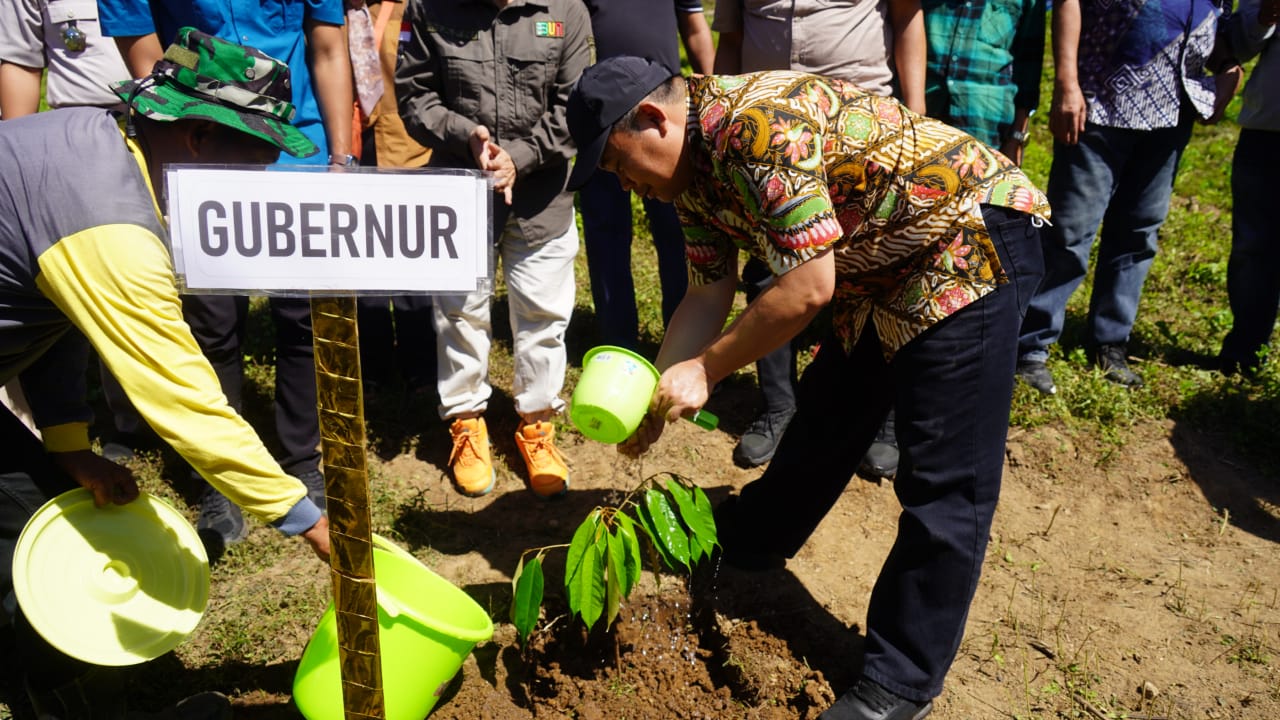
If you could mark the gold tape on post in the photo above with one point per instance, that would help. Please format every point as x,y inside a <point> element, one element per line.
<point>342,439</point>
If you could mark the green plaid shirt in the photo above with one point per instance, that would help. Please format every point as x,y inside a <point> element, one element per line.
<point>985,58</point>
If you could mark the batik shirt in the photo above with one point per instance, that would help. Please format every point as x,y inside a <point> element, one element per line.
<point>1138,59</point>
<point>788,165</point>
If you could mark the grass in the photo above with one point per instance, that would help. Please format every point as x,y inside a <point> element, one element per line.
<point>1182,319</point>
<point>254,621</point>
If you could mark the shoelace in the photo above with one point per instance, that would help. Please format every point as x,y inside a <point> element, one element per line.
<point>767,422</point>
<point>464,449</point>
<point>541,444</point>
<point>876,697</point>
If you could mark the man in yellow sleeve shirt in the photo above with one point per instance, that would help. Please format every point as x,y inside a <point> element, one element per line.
<point>84,264</point>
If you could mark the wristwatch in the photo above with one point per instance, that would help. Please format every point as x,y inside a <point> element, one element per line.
<point>1020,136</point>
<point>343,160</point>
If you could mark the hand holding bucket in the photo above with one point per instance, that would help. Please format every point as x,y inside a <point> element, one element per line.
<point>613,395</point>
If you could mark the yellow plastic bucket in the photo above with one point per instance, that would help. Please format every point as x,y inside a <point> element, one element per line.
<point>613,393</point>
<point>427,627</point>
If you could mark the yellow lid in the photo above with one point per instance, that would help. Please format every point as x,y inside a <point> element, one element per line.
<point>117,585</point>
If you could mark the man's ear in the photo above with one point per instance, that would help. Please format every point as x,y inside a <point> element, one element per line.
<point>653,116</point>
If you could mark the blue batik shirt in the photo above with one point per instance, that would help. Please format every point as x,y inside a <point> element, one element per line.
<point>1140,59</point>
<point>276,28</point>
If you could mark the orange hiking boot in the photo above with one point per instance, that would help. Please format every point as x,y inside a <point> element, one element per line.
<point>548,473</point>
<point>470,461</point>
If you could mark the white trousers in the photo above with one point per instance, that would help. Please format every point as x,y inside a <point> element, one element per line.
<point>540,292</point>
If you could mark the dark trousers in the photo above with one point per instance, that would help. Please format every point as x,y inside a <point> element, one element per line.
<point>1253,278</point>
<point>951,388</point>
<point>28,479</point>
<point>775,372</point>
<point>607,232</point>
<point>219,323</point>
<point>398,332</point>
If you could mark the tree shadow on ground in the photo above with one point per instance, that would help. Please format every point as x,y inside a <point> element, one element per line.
<point>1244,489</point>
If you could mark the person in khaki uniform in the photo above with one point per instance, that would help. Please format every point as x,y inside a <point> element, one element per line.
<point>484,84</point>
<point>397,334</point>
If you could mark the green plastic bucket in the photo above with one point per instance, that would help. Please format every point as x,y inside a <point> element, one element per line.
<point>427,627</point>
<point>613,393</point>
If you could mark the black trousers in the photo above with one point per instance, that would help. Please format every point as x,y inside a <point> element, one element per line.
<point>397,332</point>
<point>28,479</point>
<point>219,323</point>
<point>951,388</point>
<point>775,372</point>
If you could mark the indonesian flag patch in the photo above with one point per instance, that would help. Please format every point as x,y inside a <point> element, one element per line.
<point>549,28</point>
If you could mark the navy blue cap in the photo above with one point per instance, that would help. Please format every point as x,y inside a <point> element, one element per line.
<point>605,92</point>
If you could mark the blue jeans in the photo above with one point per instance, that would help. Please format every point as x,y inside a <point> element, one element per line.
<point>1119,179</point>
<point>1253,277</point>
<point>951,388</point>
<point>606,229</point>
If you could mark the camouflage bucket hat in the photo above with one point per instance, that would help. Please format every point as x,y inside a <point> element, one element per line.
<point>206,78</point>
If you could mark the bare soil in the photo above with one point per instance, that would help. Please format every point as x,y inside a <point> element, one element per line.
<point>1143,586</point>
<point>1138,583</point>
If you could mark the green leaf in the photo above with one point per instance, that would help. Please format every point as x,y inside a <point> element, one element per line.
<point>632,562</point>
<point>703,505</point>
<point>699,520</point>
<point>698,549</point>
<point>526,597</point>
<point>582,538</point>
<point>586,587</point>
<point>658,554</point>
<point>614,578</point>
<point>671,534</point>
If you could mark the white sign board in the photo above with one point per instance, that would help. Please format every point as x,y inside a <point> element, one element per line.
<point>282,231</point>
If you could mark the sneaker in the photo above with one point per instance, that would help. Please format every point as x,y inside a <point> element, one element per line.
<point>1225,365</point>
<point>123,447</point>
<point>470,461</point>
<point>1113,361</point>
<point>758,444</point>
<point>220,524</point>
<point>118,453</point>
<point>548,472</point>
<point>201,706</point>
<point>881,460</point>
<point>314,480</point>
<point>869,700</point>
<point>1036,374</point>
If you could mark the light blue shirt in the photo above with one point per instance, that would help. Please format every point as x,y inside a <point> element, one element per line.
<point>276,28</point>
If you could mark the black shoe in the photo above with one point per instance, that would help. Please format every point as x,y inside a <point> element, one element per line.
<point>881,460</point>
<point>869,700</point>
<point>1036,374</point>
<point>201,706</point>
<point>220,524</point>
<point>118,453</point>
<point>1113,361</point>
<point>125,446</point>
<point>760,441</point>
<point>314,481</point>
<point>1245,368</point>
